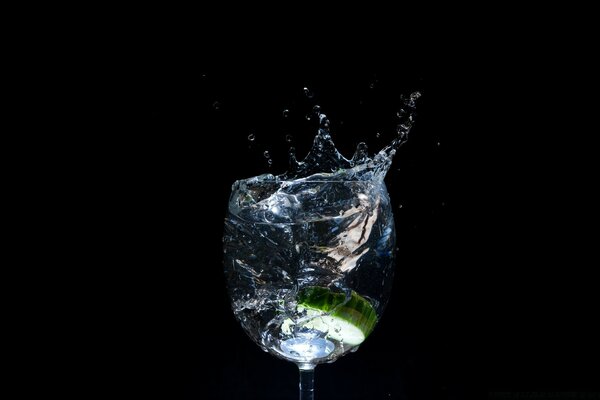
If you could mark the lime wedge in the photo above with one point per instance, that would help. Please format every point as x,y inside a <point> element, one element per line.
<point>347,322</point>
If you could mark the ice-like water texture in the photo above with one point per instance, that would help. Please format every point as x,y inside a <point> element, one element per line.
<point>305,233</point>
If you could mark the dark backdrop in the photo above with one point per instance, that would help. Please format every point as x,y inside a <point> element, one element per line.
<point>489,292</point>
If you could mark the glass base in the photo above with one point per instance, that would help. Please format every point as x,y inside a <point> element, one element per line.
<point>306,349</point>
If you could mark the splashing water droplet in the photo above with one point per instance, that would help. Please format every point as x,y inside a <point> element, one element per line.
<point>308,93</point>
<point>270,162</point>
<point>317,109</point>
<point>307,116</point>
<point>415,95</point>
<point>251,137</point>
<point>286,113</point>
<point>324,122</point>
<point>267,154</point>
<point>289,138</point>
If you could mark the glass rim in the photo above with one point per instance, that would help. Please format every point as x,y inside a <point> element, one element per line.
<point>300,180</point>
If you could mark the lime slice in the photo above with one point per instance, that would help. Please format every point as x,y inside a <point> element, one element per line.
<point>347,322</point>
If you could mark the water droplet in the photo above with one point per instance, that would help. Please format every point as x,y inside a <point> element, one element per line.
<point>251,137</point>
<point>401,113</point>
<point>307,117</point>
<point>267,154</point>
<point>308,93</point>
<point>270,162</point>
<point>372,85</point>
<point>377,135</point>
<point>415,95</point>
<point>443,204</point>
<point>317,109</point>
<point>400,206</point>
<point>439,144</point>
<point>289,138</point>
<point>216,105</point>
<point>324,122</point>
<point>286,113</point>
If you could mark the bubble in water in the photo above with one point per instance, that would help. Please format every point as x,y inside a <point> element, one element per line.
<point>267,154</point>
<point>216,105</point>
<point>286,113</point>
<point>308,93</point>
<point>251,137</point>
<point>289,138</point>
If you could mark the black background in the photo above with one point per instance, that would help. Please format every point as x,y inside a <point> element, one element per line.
<point>491,293</point>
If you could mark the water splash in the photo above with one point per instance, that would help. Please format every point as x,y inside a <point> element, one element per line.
<point>325,162</point>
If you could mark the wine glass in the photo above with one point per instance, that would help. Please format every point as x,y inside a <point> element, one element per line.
<point>309,265</point>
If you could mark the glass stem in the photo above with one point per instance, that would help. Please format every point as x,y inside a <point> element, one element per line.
<point>307,381</point>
